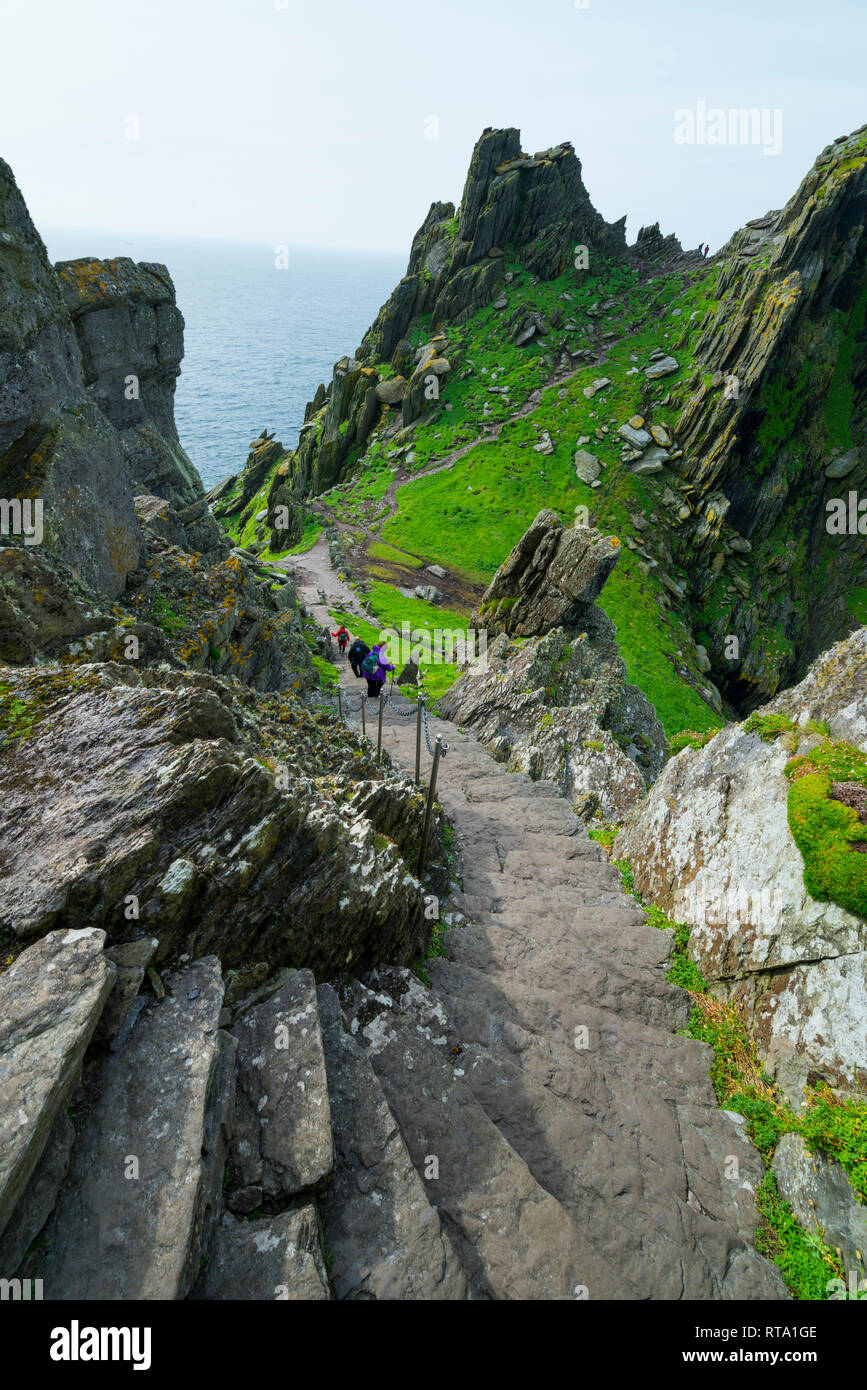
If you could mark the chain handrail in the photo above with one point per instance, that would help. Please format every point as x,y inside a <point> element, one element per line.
<point>403,714</point>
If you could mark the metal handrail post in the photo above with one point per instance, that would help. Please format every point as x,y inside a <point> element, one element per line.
<point>429,807</point>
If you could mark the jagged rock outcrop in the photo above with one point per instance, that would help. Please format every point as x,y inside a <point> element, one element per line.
<point>775,427</point>
<point>56,446</point>
<point>553,576</point>
<point>131,335</point>
<point>176,823</point>
<point>533,207</point>
<point>712,845</point>
<point>550,696</point>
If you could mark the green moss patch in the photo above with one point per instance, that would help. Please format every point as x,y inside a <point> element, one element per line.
<point>826,831</point>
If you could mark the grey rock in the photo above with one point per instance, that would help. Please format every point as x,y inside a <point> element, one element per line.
<point>131,961</point>
<point>551,577</point>
<point>40,1196</point>
<point>386,1237</point>
<point>163,1101</point>
<point>841,467</point>
<point>822,1199</point>
<point>587,466</point>
<point>51,998</point>
<point>279,1257</point>
<point>662,366</point>
<point>281,1140</point>
<point>639,439</point>
<point>436,570</point>
<point>429,592</point>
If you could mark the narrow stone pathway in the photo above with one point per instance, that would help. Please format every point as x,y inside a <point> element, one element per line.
<point>578,1145</point>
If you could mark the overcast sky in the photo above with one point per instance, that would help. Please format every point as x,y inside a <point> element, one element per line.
<point>309,122</point>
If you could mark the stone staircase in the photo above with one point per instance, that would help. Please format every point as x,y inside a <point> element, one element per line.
<point>529,1126</point>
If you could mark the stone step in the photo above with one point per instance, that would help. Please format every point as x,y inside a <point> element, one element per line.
<point>564,961</point>
<point>144,1185</point>
<point>281,1141</point>
<point>665,1187</point>
<point>514,1239</point>
<point>385,1237</point>
<point>51,999</point>
<point>278,1257</point>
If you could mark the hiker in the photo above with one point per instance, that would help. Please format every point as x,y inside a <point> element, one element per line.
<point>357,652</point>
<point>706,249</point>
<point>375,668</point>
<point>342,639</point>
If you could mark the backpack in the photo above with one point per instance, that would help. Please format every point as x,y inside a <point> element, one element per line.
<point>370,664</point>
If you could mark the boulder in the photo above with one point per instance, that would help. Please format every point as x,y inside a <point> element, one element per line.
<point>551,578</point>
<point>711,845</point>
<point>429,592</point>
<point>587,466</point>
<point>663,366</point>
<point>51,998</point>
<point>391,392</point>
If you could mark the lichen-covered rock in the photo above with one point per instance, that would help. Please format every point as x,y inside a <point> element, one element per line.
<point>131,335</point>
<point>551,578</point>
<point>822,1199</point>
<point>278,1257</point>
<point>281,1142</point>
<point>55,445</point>
<point>561,704</point>
<point>144,809</point>
<point>776,399</point>
<point>711,844</point>
<point>551,697</point>
<point>144,1187</point>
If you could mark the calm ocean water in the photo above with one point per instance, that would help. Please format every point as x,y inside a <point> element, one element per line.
<point>258,340</point>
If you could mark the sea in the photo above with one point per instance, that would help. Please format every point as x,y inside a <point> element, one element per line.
<point>259,336</point>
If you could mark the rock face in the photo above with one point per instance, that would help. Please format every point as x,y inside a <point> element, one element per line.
<point>711,844</point>
<point>822,1199</point>
<point>551,698</point>
<point>55,445</point>
<point>779,396</point>
<point>131,335</point>
<point>50,1002</point>
<point>171,804</point>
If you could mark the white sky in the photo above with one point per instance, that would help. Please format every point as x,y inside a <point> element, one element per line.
<point>304,122</point>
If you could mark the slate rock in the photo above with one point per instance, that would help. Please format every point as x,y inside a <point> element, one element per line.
<point>51,998</point>
<point>282,1125</point>
<point>279,1257</point>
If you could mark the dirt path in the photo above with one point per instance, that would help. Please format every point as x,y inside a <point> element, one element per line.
<point>552,1014</point>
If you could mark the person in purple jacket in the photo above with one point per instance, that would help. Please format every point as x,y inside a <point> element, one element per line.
<point>375,668</point>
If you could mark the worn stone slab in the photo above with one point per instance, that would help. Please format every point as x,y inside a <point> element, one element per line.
<point>50,1002</point>
<point>822,1199</point>
<point>386,1238</point>
<point>282,1125</point>
<point>144,1187</point>
<point>279,1257</point>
